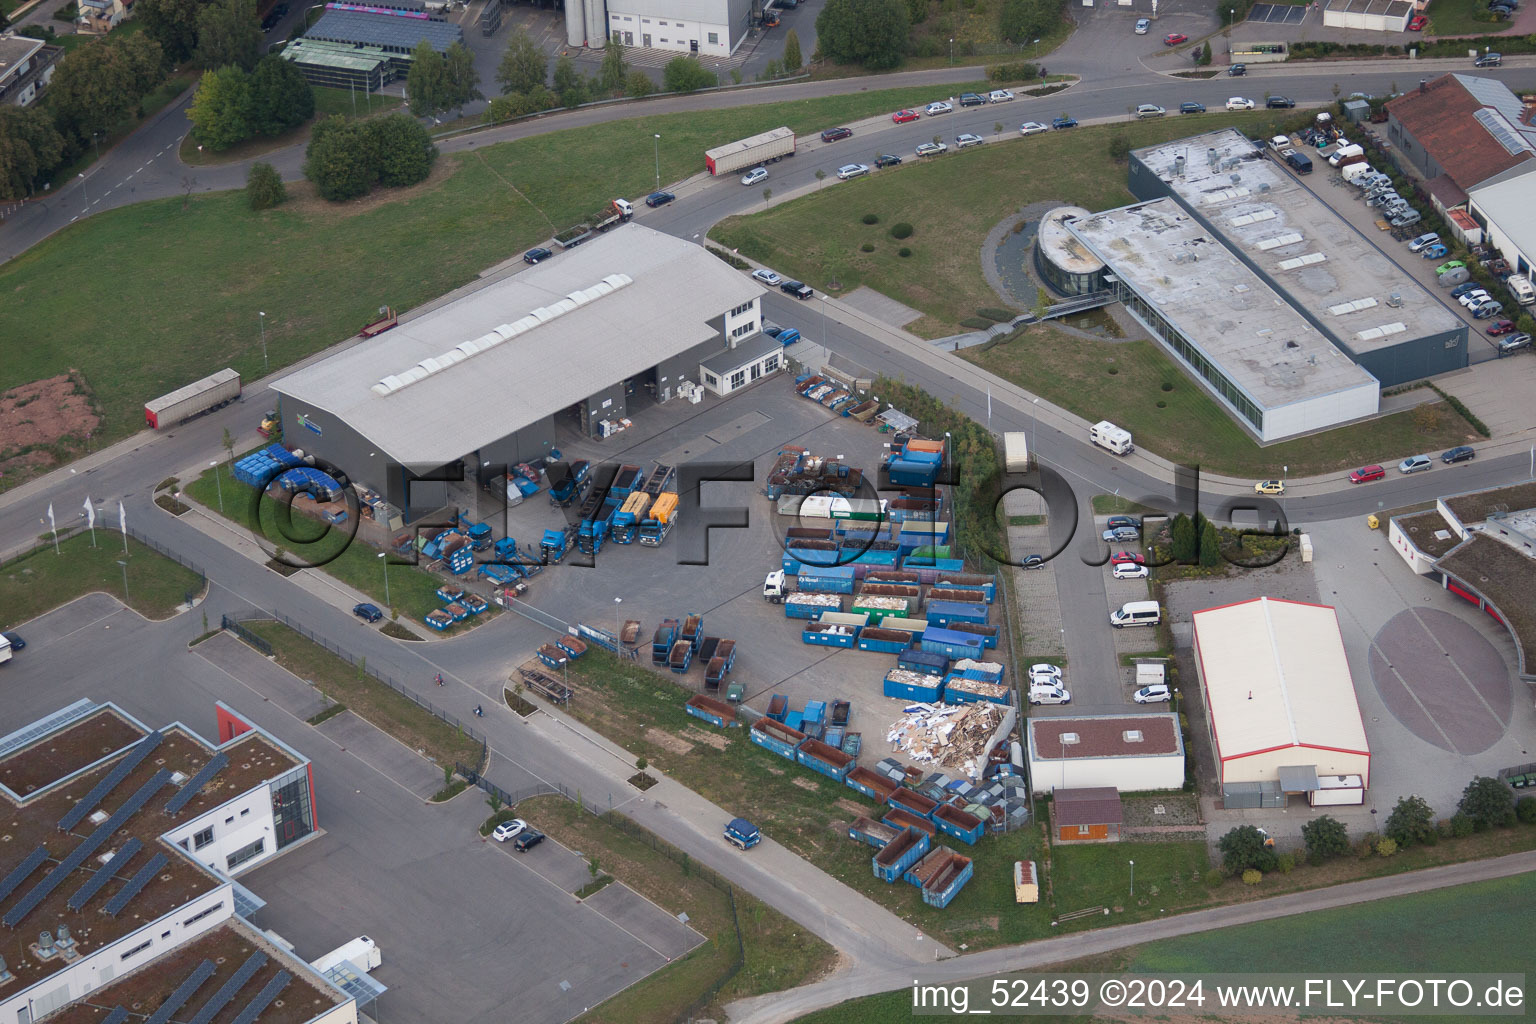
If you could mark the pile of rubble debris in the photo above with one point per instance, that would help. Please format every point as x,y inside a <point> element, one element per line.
<point>949,735</point>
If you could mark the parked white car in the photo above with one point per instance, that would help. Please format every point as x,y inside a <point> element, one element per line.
<point>1239,103</point>
<point>1130,571</point>
<point>851,171</point>
<point>767,277</point>
<point>939,107</point>
<point>1157,693</point>
<point>1033,128</point>
<point>999,96</point>
<point>509,830</point>
<point>932,149</point>
<point>1045,670</point>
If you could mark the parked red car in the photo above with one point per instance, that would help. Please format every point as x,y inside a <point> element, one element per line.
<point>1120,557</point>
<point>1366,473</point>
<point>1417,23</point>
<point>1175,38</point>
<point>903,116</point>
<point>1499,327</point>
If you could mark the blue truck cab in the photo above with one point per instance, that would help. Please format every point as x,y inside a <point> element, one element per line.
<point>742,834</point>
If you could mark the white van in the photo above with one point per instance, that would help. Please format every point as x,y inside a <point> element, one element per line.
<point>1345,153</point>
<point>1522,289</point>
<point>1048,694</point>
<point>1136,613</point>
<point>1106,435</point>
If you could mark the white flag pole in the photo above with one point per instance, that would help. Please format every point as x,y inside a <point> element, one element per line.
<point>90,519</point>
<point>54,527</point>
<point>122,521</point>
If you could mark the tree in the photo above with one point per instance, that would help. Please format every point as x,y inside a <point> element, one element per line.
<point>1205,54</point>
<point>1119,147</point>
<point>92,90</point>
<point>143,62</point>
<point>767,195</point>
<point>340,159</point>
<point>610,77</point>
<point>1325,837</point>
<point>403,149</point>
<point>264,186</point>
<point>30,147</point>
<point>1042,303</point>
<point>461,82</point>
<point>1487,802</point>
<point>792,60</point>
<point>868,32</point>
<point>638,85</point>
<point>820,176</point>
<point>523,66</point>
<point>281,99</point>
<point>1243,848</point>
<point>570,86</point>
<point>424,82</point>
<point>1183,543</point>
<point>1210,547</point>
<point>1411,821</point>
<point>172,24</point>
<point>686,74</point>
<point>1019,21</point>
<point>228,33</point>
<point>221,108</point>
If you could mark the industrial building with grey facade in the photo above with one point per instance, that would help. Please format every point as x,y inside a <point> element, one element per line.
<point>1291,318</point>
<point>577,344</point>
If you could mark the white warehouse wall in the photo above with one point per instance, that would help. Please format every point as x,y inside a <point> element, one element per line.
<point>1320,412</point>
<point>1127,774</point>
<point>235,824</point>
<point>679,24</point>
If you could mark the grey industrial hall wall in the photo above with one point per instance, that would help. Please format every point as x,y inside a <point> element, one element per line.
<point>316,432</point>
<point>1417,359</point>
<point>605,404</point>
<point>530,444</point>
<point>686,365</point>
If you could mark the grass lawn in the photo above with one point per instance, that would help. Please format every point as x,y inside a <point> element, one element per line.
<point>817,238</point>
<point>412,592</point>
<point>1087,377</point>
<point>195,298</point>
<point>643,711</point>
<point>327,101</point>
<point>1462,18</point>
<point>41,581</point>
<point>777,952</point>
<point>1168,878</point>
<point>366,697</point>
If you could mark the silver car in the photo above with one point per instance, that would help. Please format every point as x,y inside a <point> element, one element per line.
<point>755,176</point>
<point>1415,464</point>
<point>1149,110</point>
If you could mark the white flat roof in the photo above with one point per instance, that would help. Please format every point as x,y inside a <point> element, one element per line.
<point>1314,256</point>
<point>1276,677</point>
<point>1507,203</point>
<point>523,348</point>
<point>1236,319</point>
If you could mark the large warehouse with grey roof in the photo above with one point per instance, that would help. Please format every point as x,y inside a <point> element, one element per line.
<point>574,342</point>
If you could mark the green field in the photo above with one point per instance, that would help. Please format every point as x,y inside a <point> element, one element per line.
<point>1483,927</point>
<point>952,201</point>
<point>1172,416</point>
<point>42,580</point>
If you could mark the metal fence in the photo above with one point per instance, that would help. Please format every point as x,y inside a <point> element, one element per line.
<point>75,529</point>
<point>362,663</point>
<point>246,635</point>
<point>535,615</point>
<point>474,778</point>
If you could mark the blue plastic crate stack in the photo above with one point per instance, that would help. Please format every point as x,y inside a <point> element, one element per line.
<point>260,467</point>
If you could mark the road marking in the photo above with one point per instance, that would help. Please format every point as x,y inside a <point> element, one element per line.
<point>141,167</point>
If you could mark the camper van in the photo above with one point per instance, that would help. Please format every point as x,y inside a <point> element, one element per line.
<point>1136,613</point>
<point>1522,289</point>
<point>1106,435</point>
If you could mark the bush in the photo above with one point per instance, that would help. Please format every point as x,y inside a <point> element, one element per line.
<point>903,252</point>
<point>403,148</point>
<point>1253,876</point>
<point>69,12</point>
<point>1367,845</point>
<point>1212,878</point>
<point>1487,802</point>
<point>1167,386</point>
<point>902,230</point>
<point>867,247</point>
<point>1286,862</point>
<point>1387,847</point>
<point>1001,316</point>
<point>1299,856</point>
<point>1119,147</point>
<point>1012,72</point>
<point>264,186</point>
<point>1466,414</point>
<point>638,85</point>
<point>870,218</point>
<point>1461,825</point>
<point>1525,809</point>
<point>686,74</point>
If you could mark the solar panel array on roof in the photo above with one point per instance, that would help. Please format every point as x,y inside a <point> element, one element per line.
<point>269,992</point>
<point>98,793</point>
<point>255,962</point>
<point>117,1016</point>
<point>43,726</point>
<point>21,871</point>
<point>135,804</point>
<point>183,992</point>
<point>397,34</point>
<point>140,879</point>
<point>190,790</point>
<point>104,874</point>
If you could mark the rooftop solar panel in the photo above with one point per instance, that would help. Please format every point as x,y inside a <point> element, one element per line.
<point>104,874</point>
<point>183,992</point>
<point>191,789</point>
<point>227,991</point>
<point>140,879</point>
<point>21,871</point>
<point>98,793</point>
<point>269,992</point>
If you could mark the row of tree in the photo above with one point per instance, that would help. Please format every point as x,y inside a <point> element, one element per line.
<point>231,105</point>
<point>876,33</point>
<point>439,82</point>
<point>346,158</point>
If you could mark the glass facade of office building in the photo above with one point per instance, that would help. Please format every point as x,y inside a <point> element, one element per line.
<point>1190,355</point>
<point>1061,259</point>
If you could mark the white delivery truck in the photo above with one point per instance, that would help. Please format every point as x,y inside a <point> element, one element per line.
<point>362,954</point>
<point>1016,451</point>
<point>1106,435</point>
<point>5,649</point>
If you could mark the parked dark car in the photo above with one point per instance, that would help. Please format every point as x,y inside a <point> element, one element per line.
<point>535,255</point>
<point>17,643</point>
<point>887,160</point>
<point>971,99</point>
<point>1129,522</point>
<point>796,288</point>
<point>1064,122</point>
<point>1191,107</point>
<point>833,134</point>
<point>656,199</point>
<point>1461,453</point>
<point>1489,60</point>
<point>1279,103</point>
<point>1237,71</point>
<point>526,840</point>
<point>368,612</point>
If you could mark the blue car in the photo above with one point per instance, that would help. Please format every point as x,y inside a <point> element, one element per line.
<point>1434,252</point>
<point>1462,289</point>
<point>368,612</point>
<point>1064,122</point>
<point>784,335</point>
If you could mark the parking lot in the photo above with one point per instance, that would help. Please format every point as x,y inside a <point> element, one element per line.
<point>386,863</point>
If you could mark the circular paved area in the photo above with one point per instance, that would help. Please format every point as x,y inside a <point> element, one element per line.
<point>1442,680</point>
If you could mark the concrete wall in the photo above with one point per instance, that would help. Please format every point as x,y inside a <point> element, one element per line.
<point>235,825</point>
<point>1339,407</point>
<point>679,24</point>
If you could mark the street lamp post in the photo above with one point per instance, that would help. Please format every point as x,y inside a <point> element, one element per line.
<point>618,631</point>
<point>261,314</point>
<point>387,601</point>
<point>1231,20</point>
<point>657,146</point>
<point>1133,878</point>
<point>124,564</point>
<point>1037,51</point>
<point>84,191</point>
<point>219,483</point>
<point>951,51</point>
<point>1033,425</point>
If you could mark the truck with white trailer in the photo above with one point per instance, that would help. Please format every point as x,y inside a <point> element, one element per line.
<point>362,953</point>
<point>212,392</point>
<point>1016,453</point>
<point>1110,437</point>
<point>767,148</point>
